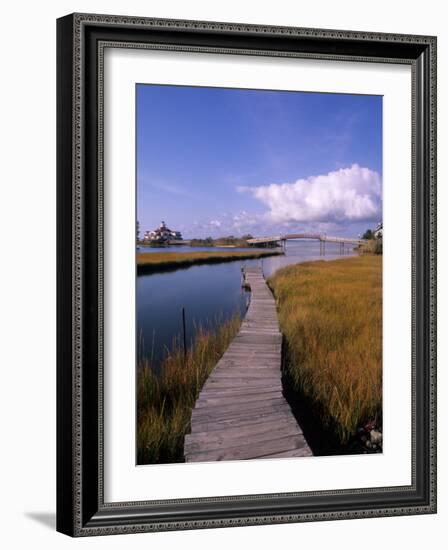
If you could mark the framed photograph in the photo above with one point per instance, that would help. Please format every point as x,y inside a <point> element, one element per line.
<point>246,274</point>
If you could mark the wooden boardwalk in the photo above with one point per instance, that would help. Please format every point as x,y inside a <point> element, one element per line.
<point>241,412</point>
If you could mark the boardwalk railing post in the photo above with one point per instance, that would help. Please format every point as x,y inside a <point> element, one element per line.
<point>184,331</point>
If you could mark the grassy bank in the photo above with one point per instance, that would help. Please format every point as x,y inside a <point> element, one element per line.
<point>371,246</point>
<point>160,261</point>
<point>331,316</point>
<point>222,241</point>
<point>164,403</point>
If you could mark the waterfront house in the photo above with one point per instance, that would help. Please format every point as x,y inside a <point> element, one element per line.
<point>378,232</point>
<point>162,234</point>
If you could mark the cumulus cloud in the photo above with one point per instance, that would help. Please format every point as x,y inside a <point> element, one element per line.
<point>346,195</point>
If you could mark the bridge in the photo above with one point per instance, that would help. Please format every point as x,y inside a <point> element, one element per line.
<point>241,412</point>
<point>322,238</point>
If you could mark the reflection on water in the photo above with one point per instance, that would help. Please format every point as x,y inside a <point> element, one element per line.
<point>300,251</point>
<point>185,248</point>
<point>210,294</point>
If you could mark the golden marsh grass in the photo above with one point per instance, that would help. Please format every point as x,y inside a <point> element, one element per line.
<point>331,316</point>
<point>165,402</point>
<point>153,261</point>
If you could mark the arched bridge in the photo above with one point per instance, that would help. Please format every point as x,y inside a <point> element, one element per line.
<point>281,240</point>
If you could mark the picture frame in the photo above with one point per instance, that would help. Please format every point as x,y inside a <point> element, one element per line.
<point>81,506</point>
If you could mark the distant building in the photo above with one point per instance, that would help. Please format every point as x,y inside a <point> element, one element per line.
<point>378,231</point>
<point>162,234</point>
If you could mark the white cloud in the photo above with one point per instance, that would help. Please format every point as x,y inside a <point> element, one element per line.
<point>242,222</point>
<point>215,223</point>
<point>346,195</point>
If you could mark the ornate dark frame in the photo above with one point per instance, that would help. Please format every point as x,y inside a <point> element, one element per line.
<point>81,39</point>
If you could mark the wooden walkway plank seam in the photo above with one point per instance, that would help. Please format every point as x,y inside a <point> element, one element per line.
<point>241,412</point>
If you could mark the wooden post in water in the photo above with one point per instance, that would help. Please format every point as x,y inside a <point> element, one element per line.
<point>184,333</point>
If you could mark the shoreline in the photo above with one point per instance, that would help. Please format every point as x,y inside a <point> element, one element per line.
<point>311,401</point>
<point>165,401</point>
<point>159,262</point>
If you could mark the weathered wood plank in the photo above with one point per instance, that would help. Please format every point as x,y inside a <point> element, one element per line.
<point>233,409</point>
<point>244,382</point>
<point>236,368</point>
<point>270,376</point>
<point>210,393</point>
<point>232,432</point>
<point>249,450</point>
<point>241,412</point>
<point>300,452</point>
<point>222,440</point>
<point>245,420</point>
<point>236,399</point>
<point>209,416</point>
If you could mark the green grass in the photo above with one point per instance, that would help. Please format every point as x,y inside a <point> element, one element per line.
<point>331,316</point>
<point>156,261</point>
<point>165,402</point>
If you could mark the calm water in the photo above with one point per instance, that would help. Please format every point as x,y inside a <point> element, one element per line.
<point>210,294</point>
<point>185,248</point>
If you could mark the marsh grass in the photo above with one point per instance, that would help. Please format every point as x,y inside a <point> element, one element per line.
<point>165,402</point>
<point>331,316</point>
<point>156,261</point>
<point>371,246</point>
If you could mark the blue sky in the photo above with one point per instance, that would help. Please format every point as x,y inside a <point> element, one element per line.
<point>214,161</point>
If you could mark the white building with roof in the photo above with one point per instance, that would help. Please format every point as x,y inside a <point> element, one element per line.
<point>378,231</point>
<point>162,234</point>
